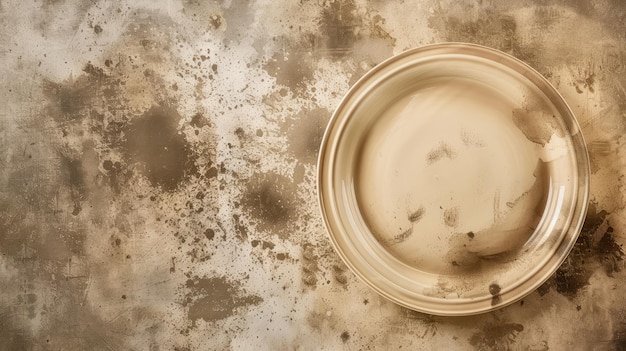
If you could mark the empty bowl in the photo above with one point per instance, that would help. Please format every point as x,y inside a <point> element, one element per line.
<point>453,179</point>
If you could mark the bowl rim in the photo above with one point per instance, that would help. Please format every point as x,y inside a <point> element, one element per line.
<point>569,237</point>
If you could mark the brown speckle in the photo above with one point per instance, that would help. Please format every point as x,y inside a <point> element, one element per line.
<point>209,233</point>
<point>345,336</point>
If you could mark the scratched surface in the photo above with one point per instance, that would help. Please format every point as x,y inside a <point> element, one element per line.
<point>157,173</point>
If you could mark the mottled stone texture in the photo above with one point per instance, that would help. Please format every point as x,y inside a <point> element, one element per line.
<point>157,173</point>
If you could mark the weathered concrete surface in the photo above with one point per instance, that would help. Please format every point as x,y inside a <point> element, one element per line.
<point>157,173</point>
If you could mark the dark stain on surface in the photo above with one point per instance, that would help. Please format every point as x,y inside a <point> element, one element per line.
<point>546,16</point>
<point>585,83</point>
<point>198,120</point>
<point>209,233</point>
<point>344,26</point>
<point>270,199</point>
<point>240,229</point>
<point>345,336</point>
<point>309,265</point>
<point>443,150</point>
<point>595,244</point>
<point>490,29</point>
<point>46,23</point>
<point>12,338</point>
<point>339,273</point>
<point>162,153</point>
<point>68,100</point>
<point>451,217</point>
<point>494,290</point>
<point>216,298</point>
<point>610,253</point>
<point>267,245</point>
<point>464,261</point>
<point>305,132</point>
<point>73,175</point>
<point>496,336</point>
<point>116,174</point>
<point>293,70</point>
<point>619,336</point>
<point>76,327</point>
<point>29,233</point>
<point>338,24</point>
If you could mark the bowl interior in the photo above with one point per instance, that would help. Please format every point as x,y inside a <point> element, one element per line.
<point>453,179</point>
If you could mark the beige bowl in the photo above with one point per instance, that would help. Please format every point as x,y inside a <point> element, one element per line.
<point>453,179</point>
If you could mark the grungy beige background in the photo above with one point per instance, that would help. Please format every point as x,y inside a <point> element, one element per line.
<point>157,173</point>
